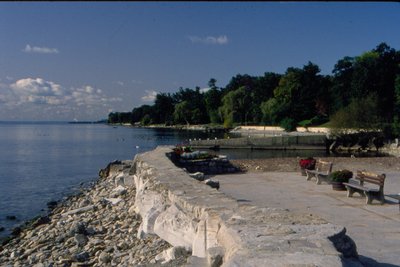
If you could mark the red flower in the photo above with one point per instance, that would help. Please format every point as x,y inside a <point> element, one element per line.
<point>308,164</point>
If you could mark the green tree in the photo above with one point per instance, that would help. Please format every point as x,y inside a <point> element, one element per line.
<point>212,100</point>
<point>163,108</point>
<point>297,94</point>
<point>235,106</point>
<point>182,113</point>
<point>360,114</point>
<point>139,112</point>
<point>341,83</point>
<point>194,100</point>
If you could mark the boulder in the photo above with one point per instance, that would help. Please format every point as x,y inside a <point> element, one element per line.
<point>197,175</point>
<point>212,183</point>
<point>118,191</point>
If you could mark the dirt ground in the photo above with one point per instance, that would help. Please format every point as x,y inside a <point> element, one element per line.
<point>374,164</point>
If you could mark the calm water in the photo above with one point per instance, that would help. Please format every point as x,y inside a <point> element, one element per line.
<point>44,162</point>
<point>47,161</point>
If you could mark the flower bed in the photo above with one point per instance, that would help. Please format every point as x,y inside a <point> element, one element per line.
<point>308,163</point>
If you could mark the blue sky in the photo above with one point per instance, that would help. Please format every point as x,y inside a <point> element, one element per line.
<point>65,61</point>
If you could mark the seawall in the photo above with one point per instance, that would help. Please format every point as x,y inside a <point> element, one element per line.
<point>268,142</point>
<point>187,213</point>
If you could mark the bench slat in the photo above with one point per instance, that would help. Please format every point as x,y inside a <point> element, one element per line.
<point>370,193</point>
<point>366,189</point>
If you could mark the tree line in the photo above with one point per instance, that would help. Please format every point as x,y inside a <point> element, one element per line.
<point>362,92</point>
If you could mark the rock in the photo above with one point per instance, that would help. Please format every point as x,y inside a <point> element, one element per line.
<point>104,257</point>
<point>81,240</point>
<point>85,202</point>
<point>118,191</point>
<point>16,231</point>
<point>79,210</point>
<point>344,244</point>
<point>119,179</point>
<point>171,254</point>
<point>132,210</point>
<point>90,231</point>
<point>128,180</point>
<point>212,183</point>
<point>113,201</point>
<point>78,228</point>
<point>215,256</point>
<point>14,254</point>
<point>11,217</point>
<point>81,257</point>
<point>41,220</point>
<point>52,204</point>
<point>197,175</point>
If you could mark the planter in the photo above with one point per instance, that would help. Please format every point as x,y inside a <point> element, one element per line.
<point>338,186</point>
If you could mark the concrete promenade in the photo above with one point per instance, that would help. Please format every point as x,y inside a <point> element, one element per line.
<point>375,228</point>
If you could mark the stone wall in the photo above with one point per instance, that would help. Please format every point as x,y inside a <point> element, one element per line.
<point>267,142</point>
<point>187,213</point>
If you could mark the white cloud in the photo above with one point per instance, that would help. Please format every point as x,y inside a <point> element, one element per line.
<point>219,40</point>
<point>38,91</point>
<point>41,98</point>
<point>151,96</point>
<point>204,90</point>
<point>41,50</point>
<point>120,83</point>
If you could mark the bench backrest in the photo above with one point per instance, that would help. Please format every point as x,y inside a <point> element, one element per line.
<point>372,178</point>
<point>324,166</point>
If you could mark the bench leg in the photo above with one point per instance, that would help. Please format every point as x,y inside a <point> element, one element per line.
<point>382,200</point>
<point>368,199</point>
<point>350,192</point>
<point>322,178</point>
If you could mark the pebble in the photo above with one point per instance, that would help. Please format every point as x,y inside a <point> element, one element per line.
<point>86,230</point>
<point>104,257</point>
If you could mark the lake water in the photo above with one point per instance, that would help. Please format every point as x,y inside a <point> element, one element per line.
<point>41,162</point>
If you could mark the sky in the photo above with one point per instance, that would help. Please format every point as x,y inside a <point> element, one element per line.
<point>82,60</point>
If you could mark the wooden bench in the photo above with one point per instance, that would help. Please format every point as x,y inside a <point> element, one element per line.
<point>321,172</point>
<point>359,186</point>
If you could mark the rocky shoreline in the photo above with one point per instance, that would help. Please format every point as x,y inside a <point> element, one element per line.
<point>97,227</point>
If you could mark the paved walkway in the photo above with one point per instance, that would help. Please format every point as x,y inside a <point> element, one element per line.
<point>375,228</point>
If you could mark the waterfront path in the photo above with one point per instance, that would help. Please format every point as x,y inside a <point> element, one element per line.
<point>374,228</point>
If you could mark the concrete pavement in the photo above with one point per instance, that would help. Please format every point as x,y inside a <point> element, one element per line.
<point>375,228</point>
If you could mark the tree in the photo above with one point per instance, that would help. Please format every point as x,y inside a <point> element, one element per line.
<point>341,83</point>
<point>194,100</point>
<point>235,106</point>
<point>360,114</point>
<point>271,111</point>
<point>139,112</point>
<point>182,113</point>
<point>296,95</point>
<point>212,100</point>
<point>163,108</point>
<point>212,83</point>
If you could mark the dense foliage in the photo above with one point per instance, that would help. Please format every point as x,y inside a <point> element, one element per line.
<point>363,92</point>
<point>342,176</point>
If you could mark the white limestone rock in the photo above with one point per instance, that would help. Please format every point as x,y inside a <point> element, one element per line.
<point>171,254</point>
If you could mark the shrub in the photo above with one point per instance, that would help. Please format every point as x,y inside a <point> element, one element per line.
<point>288,124</point>
<point>342,176</point>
